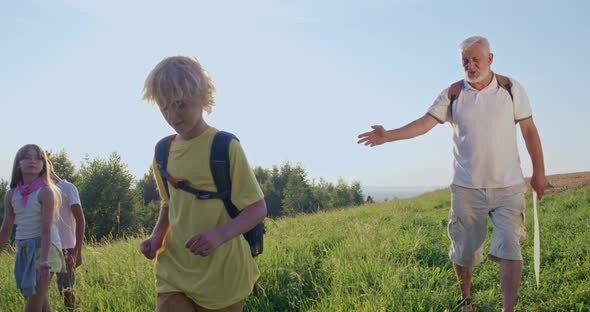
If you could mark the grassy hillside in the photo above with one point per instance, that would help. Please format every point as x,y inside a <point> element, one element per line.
<point>388,256</point>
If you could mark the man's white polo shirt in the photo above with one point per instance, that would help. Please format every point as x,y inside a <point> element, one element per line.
<point>484,133</point>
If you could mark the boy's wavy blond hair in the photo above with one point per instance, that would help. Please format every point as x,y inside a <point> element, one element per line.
<point>179,78</point>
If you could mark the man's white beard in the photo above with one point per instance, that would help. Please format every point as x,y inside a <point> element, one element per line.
<point>482,76</point>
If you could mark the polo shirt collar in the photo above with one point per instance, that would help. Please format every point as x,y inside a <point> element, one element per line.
<point>492,86</point>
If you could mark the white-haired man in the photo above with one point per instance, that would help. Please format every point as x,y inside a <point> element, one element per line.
<point>483,110</point>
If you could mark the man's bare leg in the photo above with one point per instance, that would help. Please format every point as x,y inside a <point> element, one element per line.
<point>510,276</point>
<point>464,277</point>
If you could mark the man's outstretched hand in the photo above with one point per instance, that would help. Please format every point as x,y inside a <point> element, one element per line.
<point>373,138</point>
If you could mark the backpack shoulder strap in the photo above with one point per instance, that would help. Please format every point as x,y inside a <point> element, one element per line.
<point>161,155</point>
<point>505,83</point>
<point>455,90</point>
<point>220,166</point>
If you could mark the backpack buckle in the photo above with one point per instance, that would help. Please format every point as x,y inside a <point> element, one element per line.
<point>204,195</point>
<point>177,184</point>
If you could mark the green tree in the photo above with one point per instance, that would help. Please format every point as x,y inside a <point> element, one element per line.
<point>63,166</point>
<point>147,187</point>
<point>343,196</point>
<point>287,191</point>
<point>273,198</point>
<point>356,193</point>
<point>147,207</point>
<point>145,217</point>
<point>297,194</point>
<point>105,191</point>
<point>262,175</point>
<point>282,177</point>
<point>273,190</point>
<point>322,194</point>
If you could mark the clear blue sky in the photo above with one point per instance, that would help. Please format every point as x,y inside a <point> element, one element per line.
<point>297,80</point>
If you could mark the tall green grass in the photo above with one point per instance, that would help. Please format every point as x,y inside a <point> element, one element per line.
<point>389,256</point>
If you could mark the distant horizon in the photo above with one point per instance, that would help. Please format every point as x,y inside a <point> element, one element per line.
<point>404,187</point>
<point>381,193</point>
<point>312,178</point>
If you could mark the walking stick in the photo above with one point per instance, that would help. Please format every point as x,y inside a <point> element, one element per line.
<point>537,244</point>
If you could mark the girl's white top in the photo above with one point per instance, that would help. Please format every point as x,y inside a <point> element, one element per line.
<point>28,218</point>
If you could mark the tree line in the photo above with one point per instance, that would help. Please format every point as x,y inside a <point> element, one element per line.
<point>117,204</point>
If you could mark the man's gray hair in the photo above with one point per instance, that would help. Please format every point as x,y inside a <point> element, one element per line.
<point>473,40</point>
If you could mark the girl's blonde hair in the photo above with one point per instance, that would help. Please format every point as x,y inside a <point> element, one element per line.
<point>179,78</point>
<point>17,175</point>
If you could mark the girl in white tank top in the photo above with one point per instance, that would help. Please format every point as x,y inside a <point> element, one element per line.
<point>32,203</point>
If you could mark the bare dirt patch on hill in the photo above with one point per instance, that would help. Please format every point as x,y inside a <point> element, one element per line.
<point>567,182</point>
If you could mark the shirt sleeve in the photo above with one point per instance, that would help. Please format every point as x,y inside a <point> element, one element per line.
<point>74,197</point>
<point>441,108</point>
<point>160,184</point>
<point>245,188</point>
<point>522,107</point>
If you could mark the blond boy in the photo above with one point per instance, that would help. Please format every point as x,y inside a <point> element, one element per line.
<point>203,263</point>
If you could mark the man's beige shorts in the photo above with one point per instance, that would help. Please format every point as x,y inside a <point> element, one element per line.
<point>468,223</point>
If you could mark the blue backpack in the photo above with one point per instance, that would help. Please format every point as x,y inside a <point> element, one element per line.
<point>220,165</point>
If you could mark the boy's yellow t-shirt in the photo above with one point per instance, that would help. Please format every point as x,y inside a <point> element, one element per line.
<point>228,274</point>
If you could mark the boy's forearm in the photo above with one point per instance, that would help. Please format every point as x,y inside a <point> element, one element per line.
<point>245,221</point>
<point>163,225</point>
<point>79,237</point>
<point>80,226</point>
